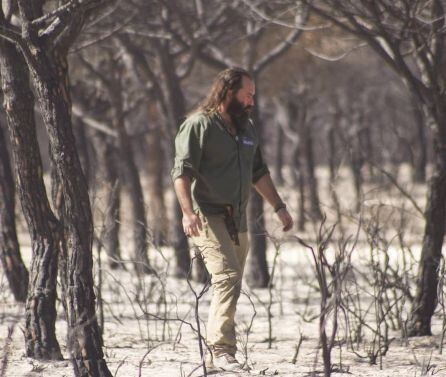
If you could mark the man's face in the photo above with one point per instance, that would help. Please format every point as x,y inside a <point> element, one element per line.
<point>241,104</point>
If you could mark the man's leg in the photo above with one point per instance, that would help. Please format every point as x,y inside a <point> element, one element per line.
<point>224,261</point>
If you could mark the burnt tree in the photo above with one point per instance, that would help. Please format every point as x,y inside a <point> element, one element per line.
<point>44,41</point>
<point>420,159</point>
<point>156,179</point>
<point>112,84</point>
<point>307,145</point>
<point>106,154</point>
<point>290,117</point>
<point>333,163</point>
<point>171,104</point>
<point>278,161</point>
<point>15,270</point>
<point>397,32</point>
<point>107,178</point>
<point>176,111</point>
<point>44,228</point>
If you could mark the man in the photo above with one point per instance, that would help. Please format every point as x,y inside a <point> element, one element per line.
<point>217,161</point>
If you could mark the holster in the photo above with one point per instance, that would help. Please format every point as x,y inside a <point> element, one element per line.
<point>230,225</point>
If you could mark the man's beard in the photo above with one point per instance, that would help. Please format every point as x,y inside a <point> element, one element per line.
<point>239,114</point>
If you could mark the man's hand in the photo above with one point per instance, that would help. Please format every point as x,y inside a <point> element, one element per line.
<point>191,224</point>
<point>285,218</point>
<point>266,188</point>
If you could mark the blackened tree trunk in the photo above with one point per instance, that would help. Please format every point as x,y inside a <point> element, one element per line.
<point>365,146</point>
<point>332,163</point>
<point>294,119</point>
<point>15,270</point>
<point>296,155</point>
<point>58,202</point>
<point>419,174</point>
<point>106,155</point>
<point>299,180</point>
<point>420,155</point>
<point>356,159</point>
<point>297,119</point>
<point>257,274</point>
<point>356,165</point>
<point>172,103</point>
<point>84,339</point>
<point>435,214</point>
<point>278,161</point>
<point>155,183</point>
<point>49,70</point>
<point>83,147</point>
<point>132,179</point>
<point>175,102</point>
<point>308,152</point>
<point>45,230</point>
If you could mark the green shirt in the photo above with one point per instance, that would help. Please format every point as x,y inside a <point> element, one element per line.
<point>222,167</point>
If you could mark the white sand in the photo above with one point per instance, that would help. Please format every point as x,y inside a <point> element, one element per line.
<point>128,336</point>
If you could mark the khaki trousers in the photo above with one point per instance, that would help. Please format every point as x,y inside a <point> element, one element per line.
<point>225,261</point>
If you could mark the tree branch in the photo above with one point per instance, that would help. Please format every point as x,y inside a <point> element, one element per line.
<point>381,43</point>
<point>212,55</point>
<point>11,35</point>
<point>107,35</point>
<point>143,68</point>
<point>66,10</point>
<point>93,123</point>
<point>67,22</point>
<point>102,78</point>
<point>277,21</point>
<point>62,11</point>
<point>205,51</point>
<point>332,58</point>
<point>281,48</point>
<point>399,187</point>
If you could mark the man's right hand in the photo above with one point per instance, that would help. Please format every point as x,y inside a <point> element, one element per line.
<point>191,221</point>
<point>191,224</point>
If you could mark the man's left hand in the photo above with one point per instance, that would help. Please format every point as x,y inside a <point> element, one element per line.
<point>285,218</point>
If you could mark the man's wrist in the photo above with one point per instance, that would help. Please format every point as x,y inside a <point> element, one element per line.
<point>187,209</point>
<point>279,206</point>
<point>188,212</point>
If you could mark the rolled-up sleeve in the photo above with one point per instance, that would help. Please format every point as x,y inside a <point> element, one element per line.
<point>188,148</point>
<point>259,168</point>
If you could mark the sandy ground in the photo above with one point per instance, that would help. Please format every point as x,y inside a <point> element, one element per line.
<point>139,345</point>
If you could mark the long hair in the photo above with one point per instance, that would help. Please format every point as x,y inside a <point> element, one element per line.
<point>229,79</point>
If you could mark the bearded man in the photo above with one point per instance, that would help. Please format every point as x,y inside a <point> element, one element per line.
<point>217,161</point>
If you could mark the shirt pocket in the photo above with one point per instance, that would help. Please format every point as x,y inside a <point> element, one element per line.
<point>247,147</point>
